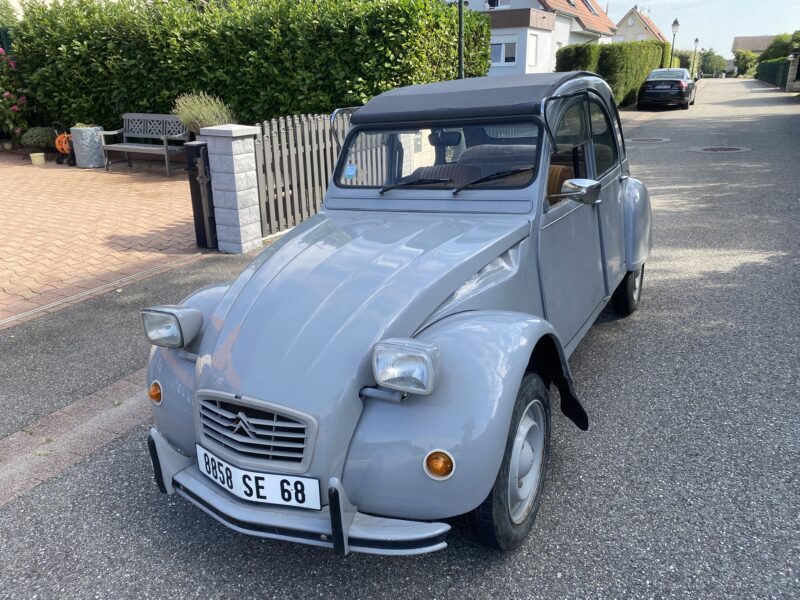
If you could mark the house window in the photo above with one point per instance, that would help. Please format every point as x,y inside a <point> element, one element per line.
<point>590,7</point>
<point>571,2</point>
<point>493,4</point>
<point>504,52</point>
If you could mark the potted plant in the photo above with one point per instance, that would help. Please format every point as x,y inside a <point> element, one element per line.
<point>39,140</point>
<point>88,145</point>
<point>198,110</point>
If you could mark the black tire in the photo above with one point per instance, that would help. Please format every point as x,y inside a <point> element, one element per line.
<point>492,521</point>
<point>640,106</point>
<point>693,99</point>
<point>628,294</point>
<point>685,106</point>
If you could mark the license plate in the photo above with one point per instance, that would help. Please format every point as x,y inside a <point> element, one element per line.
<point>254,486</point>
<point>663,86</point>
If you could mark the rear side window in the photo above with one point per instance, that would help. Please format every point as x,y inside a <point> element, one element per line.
<point>605,148</point>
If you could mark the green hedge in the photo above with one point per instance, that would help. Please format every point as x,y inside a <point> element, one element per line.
<point>624,65</point>
<point>92,60</point>
<point>775,71</point>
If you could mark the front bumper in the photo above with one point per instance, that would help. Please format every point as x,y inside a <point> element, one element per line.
<point>338,525</point>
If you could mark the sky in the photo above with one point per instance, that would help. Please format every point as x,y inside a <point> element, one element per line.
<point>714,22</point>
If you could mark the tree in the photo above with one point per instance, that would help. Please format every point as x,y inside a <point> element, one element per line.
<point>744,61</point>
<point>7,15</point>
<point>780,47</point>
<point>710,62</point>
<point>685,57</point>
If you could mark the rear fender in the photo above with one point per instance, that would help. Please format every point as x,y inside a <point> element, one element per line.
<point>638,217</point>
<point>483,357</point>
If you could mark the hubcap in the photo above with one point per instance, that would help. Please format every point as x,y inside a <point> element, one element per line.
<point>525,468</point>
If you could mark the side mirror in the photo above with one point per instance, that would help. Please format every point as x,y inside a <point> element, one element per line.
<point>585,191</point>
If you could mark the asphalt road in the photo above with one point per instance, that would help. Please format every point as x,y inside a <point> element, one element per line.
<point>686,485</point>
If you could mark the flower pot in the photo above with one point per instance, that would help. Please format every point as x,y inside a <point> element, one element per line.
<point>8,145</point>
<point>88,145</point>
<point>37,158</point>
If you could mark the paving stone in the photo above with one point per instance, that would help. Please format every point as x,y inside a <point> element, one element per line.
<point>65,231</point>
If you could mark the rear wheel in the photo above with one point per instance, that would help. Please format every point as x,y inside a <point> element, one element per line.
<point>628,293</point>
<point>685,106</point>
<point>505,518</point>
<point>640,105</point>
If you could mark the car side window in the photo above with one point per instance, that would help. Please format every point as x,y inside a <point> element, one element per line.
<point>569,159</point>
<point>605,148</point>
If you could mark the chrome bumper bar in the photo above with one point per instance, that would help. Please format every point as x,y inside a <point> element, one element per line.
<point>338,525</point>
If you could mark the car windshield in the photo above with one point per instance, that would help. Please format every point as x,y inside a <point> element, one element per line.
<point>667,74</point>
<point>500,155</point>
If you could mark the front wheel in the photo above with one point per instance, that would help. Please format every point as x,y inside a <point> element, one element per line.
<point>629,292</point>
<point>504,519</point>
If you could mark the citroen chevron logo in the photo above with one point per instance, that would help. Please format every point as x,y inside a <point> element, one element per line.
<point>243,425</point>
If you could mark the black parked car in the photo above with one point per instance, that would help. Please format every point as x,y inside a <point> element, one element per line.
<point>667,87</point>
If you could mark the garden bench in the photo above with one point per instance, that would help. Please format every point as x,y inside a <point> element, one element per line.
<point>143,127</point>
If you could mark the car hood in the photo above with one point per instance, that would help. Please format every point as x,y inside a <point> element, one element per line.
<point>298,326</point>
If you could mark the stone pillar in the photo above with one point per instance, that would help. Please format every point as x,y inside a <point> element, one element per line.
<point>232,160</point>
<point>792,83</point>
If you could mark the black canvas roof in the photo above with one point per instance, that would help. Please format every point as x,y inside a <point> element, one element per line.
<point>464,98</point>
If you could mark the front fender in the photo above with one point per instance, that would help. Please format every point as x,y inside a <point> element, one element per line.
<point>175,371</point>
<point>483,357</point>
<point>638,218</point>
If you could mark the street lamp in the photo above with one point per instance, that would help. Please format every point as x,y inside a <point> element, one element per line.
<point>675,26</point>
<point>693,73</point>
<point>461,5</point>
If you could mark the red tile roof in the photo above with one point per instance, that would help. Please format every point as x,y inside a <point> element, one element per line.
<point>598,23</point>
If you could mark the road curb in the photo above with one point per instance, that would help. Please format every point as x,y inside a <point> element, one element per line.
<point>54,443</point>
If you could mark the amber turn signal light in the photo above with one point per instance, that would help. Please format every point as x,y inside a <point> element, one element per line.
<point>155,392</point>
<point>439,464</point>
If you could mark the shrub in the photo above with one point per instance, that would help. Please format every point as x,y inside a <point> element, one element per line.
<point>744,61</point>
<point>624,65</point>
<point>197,110</point>
<point>578,57</point>
<point>12,103</point>
<point>39,138</point>
<point>94,60</point>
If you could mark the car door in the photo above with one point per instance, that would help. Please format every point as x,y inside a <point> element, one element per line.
<point>570,265</point>
<point>606,169</point>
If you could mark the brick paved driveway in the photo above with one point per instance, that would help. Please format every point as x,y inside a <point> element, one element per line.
<point>64,232</point>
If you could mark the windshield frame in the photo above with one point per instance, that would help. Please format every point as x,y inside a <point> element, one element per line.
<point>416,190</point>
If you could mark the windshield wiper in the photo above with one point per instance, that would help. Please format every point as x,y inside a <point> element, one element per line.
<point>491,176</point>
<point>423,181</point>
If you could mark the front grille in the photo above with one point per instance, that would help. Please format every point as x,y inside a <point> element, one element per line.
<point>255,433</point>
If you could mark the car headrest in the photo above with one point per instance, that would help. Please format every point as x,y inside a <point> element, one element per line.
<point>445,138</point>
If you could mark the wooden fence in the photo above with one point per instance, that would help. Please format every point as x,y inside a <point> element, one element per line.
<point>295,160</point>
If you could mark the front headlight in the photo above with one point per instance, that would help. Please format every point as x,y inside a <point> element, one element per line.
<point>171,326</point>
<point>405,365</point>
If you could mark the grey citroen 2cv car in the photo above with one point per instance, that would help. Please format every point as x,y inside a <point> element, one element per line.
<point>385,365</point>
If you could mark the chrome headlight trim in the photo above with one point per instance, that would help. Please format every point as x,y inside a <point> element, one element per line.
<point>405,365</point>
<point>171,326</point>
